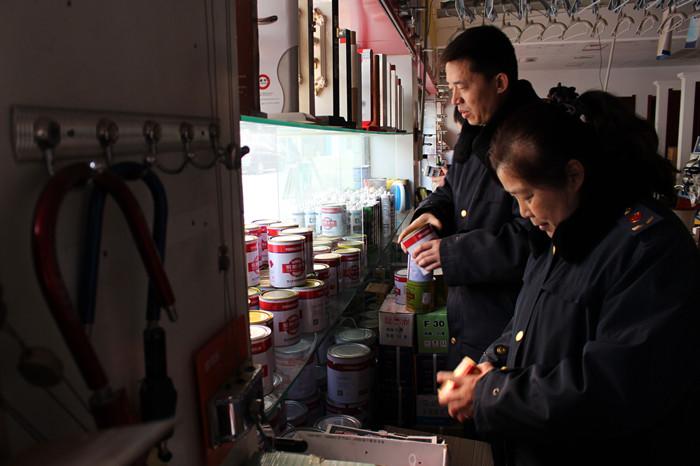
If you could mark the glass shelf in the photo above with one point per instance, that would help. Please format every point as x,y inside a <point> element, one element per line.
<point>337,307</point>
<point>319,130</point>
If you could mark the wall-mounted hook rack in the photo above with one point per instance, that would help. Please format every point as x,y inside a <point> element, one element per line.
<point>78,138</point>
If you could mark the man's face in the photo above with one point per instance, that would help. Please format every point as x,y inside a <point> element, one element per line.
<point>476,96</point>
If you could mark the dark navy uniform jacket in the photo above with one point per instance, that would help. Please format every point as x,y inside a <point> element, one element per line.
<point>484,247</point>
<point>601,361</point>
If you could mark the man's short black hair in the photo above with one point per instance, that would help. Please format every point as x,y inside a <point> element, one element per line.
<point>488,50</point>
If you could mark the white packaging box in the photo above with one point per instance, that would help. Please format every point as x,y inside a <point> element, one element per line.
<point>279,60</point>
<point>375,450</point>
<point>396,324</point>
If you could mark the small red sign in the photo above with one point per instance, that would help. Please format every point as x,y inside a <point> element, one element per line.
<point>263,82</point>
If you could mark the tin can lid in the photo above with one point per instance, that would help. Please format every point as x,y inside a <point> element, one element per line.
<point>402,273</point>
<point>351,244</point>
<point>355,335</point>
<point>259,317</point>
<point>318,267</point>
<point>331,238</point>
<point>298,231</point>
<point>337,420</point>
<point>356,237</point>
<point>251,227</point>
<point>349,351</point>
<point>322,242</point>
<point>265,284</point>
<point>253,291</point>
<point>264,221</point>
<point>347,251</point>
<point>283,225</point>
<point>329,256</point>
<point>286,239</point>
<point>322,248</point>
<point>251,239</point>
<point>370,323</point>
<point>296,412</point>
<point>259,332</point>
<point>297,349</point>
<point>310,284</point>
<point>278,295</point>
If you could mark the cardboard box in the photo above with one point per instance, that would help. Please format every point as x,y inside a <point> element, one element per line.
<point>375,450</point>
<point>432,332</point>
<point>396,324</point>
<point>377,292</point>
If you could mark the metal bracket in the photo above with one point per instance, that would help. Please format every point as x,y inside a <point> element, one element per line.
<point>89,134</point>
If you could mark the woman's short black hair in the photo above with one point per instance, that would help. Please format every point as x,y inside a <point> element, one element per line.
<point>615,146</point>
<point>488,50</point>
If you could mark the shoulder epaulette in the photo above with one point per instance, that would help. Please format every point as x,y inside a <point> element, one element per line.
<point>639,218</point>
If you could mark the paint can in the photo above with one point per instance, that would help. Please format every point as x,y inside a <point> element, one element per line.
<point>284,306</point>
<point>332,260</point>
<point>308,235</point>
<point>261,349</point>
<point>349,373</point>
<point>400,279</point>
<point>252,260</point>
<point>286,259</point>
<point>313,297</point>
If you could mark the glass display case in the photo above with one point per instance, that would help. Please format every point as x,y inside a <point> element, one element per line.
<point>292,171</point>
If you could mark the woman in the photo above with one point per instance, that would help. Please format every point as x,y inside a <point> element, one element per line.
<point>600,362</point>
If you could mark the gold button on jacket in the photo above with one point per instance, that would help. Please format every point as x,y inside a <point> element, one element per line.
<point>519,336</point>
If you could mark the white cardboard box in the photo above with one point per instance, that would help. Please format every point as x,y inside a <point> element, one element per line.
<point>375,450</point>
<point>396,324</point>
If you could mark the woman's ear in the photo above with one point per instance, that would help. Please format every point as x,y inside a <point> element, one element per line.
<point>575,174</point>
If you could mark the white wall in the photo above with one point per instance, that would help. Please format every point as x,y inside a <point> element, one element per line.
<point>623,81</point>
<point>148,57</point>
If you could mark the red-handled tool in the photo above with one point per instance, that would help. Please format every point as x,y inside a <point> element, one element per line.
<point>108,408</point>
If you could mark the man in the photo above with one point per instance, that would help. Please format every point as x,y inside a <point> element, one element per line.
<point>483,243</point>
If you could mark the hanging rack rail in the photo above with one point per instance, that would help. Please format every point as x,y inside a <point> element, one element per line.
<point>79,132</point>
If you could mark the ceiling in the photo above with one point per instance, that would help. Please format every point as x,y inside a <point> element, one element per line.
<point>633,46</point>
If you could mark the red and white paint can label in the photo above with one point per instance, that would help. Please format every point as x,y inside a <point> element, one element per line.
<point>312,305</point>
<point>400,279</point>
<point>261,347</point>
<point>287,262</point>
<point>349,267</point>
<point>332,260</point>
<point>333,218</point>
<point>252,260</point>
<point>263,239</point>
<point>284,306</point>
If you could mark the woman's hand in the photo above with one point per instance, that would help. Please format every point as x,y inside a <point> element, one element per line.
<point>426,218</point>
<point>427,254</point>
<point>457,392</point>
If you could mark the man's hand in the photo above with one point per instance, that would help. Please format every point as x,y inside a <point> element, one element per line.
<point>457,392</point>
<point>427,254</point>
<point>426,218</point>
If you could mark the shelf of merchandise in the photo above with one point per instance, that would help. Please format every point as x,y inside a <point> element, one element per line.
<point>339,305</point>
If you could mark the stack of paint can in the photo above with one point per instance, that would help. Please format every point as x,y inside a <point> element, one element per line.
<point>419,286</point>
<point>333,262</point>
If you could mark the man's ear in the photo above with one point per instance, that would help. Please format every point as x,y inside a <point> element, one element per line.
<point>502,83</point>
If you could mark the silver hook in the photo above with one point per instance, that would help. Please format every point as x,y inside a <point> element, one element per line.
<point>107,135</point>
<point>47,135</point>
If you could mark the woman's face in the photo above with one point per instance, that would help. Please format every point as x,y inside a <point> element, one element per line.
<point>545,207</point>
